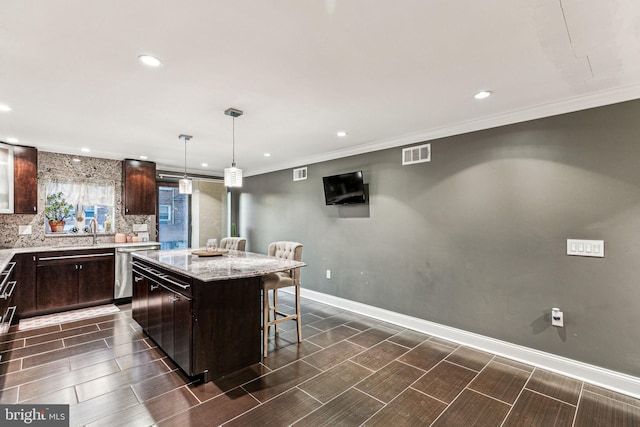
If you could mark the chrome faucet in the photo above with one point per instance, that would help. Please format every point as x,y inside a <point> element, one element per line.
<point>93,227</point>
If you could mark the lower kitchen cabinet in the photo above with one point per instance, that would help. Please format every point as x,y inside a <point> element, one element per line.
<point>74,279</point>
<point>140,300</point>
<point>57,286</point>
<point>205,328</point>
<point>164,313</point>
<point>25,275</point>
<point>96,279</point>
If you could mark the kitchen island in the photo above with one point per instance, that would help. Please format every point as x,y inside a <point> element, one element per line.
<point>204,312</point>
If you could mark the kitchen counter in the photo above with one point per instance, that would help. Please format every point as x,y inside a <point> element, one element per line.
<point>233,265</point>
<point>7,254</point>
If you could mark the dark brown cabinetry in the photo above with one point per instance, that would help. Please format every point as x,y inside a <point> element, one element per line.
<point>161,304</point>
<point>25,180</point>
<point>139,187</point>
<point>140,300</point>
<point>25,276</point>
<point>73,279</point>
<point>210,328</point>
<point>7,290</point>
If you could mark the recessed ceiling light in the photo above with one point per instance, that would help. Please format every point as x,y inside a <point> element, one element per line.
<point>143,157</point>
<point>4,107</point>
<point>204,165</point>
<point>75,159</point>
<point>149,60</point>
<point>483,94</point>
<point>12,140</point>
<point>341,133</point>
<point>85,150</point>
<point>267,154</point>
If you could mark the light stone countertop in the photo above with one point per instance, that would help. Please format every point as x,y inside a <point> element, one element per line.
<point>233,265</point>
<point>7,254</point>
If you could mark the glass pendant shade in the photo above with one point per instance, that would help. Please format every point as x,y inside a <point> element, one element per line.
<point>185,186</point>
<point>233,176</point>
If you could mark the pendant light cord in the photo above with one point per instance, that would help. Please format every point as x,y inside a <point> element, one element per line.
<point>185,157</point>
<point>233,145</point>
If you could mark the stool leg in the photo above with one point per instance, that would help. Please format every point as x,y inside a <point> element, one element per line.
<point>275,309</point>
<point>265,321</point>
<point>298,320</point>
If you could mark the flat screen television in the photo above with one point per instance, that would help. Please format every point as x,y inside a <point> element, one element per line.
<point>344,189</point>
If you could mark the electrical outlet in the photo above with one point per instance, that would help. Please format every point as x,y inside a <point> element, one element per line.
<point>328,274</point>
<point>557,317</point>
<point>139,227</point>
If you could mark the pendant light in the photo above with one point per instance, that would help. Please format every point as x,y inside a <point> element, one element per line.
<point>233,175</point>
<point>185,185</point>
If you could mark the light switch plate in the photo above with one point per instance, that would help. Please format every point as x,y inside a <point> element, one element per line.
<point>592,248</point>
<point>139,227</point>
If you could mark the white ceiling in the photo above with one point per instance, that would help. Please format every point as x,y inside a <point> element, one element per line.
<point>388,72</point>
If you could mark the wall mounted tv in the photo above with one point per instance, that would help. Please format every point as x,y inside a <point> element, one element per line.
<point>344,189</point>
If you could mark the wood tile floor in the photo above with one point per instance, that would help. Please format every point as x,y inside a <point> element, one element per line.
<point>350,370</point>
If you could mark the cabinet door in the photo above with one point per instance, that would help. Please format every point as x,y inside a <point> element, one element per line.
<point>24,296</point>
<point>96,281</point>
<point>168,340</point>
<point>139,303</point>
<point>139,187</point>
<point>155,311</point>
<point>56,286</point>
<point>182,333</point>
<point>25,180</point>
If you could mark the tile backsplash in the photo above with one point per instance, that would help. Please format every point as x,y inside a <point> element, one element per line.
<point>56,165</point>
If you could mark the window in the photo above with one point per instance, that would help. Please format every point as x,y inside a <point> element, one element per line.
<point>90,199</point>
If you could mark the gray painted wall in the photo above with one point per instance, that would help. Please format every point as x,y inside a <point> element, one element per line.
<point>476,238</point>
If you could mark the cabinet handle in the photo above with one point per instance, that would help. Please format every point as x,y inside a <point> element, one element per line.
<point>154,287</point>
<point>80,266</point>
<point>35,209</point>
<point>174,299</point>
<point>137,278</point>
<point>76,266</point>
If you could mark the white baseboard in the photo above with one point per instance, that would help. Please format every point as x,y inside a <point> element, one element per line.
<point>606,378</point>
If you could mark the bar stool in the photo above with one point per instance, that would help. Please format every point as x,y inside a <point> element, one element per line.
<point>275,281</point>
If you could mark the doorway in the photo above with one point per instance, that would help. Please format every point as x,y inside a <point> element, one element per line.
<point>174,217</point>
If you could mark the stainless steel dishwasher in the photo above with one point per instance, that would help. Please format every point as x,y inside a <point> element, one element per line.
<point>122,288</point>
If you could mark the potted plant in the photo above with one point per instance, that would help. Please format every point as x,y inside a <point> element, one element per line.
<point>56,211</point>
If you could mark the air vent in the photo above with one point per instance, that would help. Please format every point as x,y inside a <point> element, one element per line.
<point>417,154</point>
<point>300,174</point>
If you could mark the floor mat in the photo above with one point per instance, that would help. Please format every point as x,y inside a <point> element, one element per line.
<point>67,316</point>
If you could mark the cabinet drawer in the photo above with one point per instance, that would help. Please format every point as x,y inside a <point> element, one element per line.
<point>7,317</point>
<point>53,258</point>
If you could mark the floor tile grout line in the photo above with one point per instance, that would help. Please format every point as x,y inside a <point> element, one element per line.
<point>428,395</point>
<point>634,405</point>
<point>38,379</point>
<point>524,387</point>
<point>553,398</point>
<point>515,367</point>
<point>460,393</point>
<point>575,414</point>
<point>462,366</point>
<point>129,384</point>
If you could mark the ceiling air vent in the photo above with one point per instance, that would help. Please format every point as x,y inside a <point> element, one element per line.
<point>417,154</point>
<point>300,174</point>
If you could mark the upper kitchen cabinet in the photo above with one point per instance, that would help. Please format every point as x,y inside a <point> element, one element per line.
<point>25,180</point>
<point>6,178</point>
<point>139,187</point>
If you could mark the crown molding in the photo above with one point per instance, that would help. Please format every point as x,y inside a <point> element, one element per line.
<point>568,105</point>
